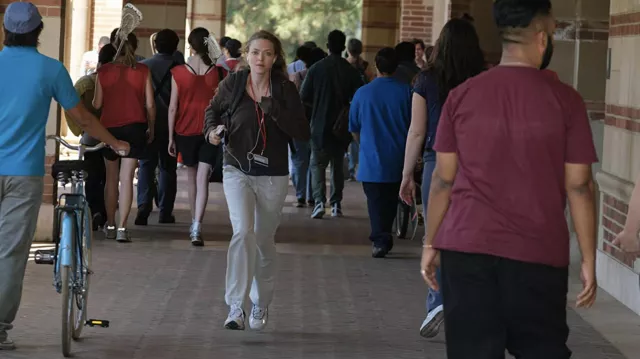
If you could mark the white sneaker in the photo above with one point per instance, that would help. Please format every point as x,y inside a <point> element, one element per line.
<point>431,325</point>
<point>6,343</point>
<point>235,319</point>
<point>259,318</point>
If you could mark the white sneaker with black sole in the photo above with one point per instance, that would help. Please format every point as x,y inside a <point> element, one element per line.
<point>235,319</point>
<point>431,325</point>
<point>258,318</point>
<point>318,211</point>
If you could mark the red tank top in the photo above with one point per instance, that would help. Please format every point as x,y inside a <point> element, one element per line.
<point>194,94</point>
<point>123,92</point>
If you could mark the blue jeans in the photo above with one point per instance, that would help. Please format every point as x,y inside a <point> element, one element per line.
<point>354,149</point>
<point>434,298</point>
<point>300,173</point>
<point>157,155</point>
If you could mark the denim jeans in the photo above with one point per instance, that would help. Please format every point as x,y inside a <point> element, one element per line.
<point>300,170</point>
<point>354,150</point>
<point>157,155</point>
<point>434,298</point>
<point>320,160</point>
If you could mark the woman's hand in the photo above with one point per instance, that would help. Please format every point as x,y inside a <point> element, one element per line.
<point>214,136</point>
<point>172,148</point>
<point>121,148</point>
<point>627,242</point>
<point>408,190</point>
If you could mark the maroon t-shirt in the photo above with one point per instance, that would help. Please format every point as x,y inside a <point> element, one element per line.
<point>513,129</point>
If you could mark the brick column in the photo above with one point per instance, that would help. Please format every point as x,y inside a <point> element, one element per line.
<point>106,16</point>
<point>380,25</point>
<point>416,20</point>
<point>210,14</point>
<point>158,15</point>
<point>620,158</point>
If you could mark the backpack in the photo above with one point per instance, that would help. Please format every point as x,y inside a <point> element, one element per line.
<point>340,128</point>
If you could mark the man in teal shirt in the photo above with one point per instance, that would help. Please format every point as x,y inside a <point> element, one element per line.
<point>29,81</point>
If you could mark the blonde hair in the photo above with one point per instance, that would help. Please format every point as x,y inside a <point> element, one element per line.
<point>280,64</point>
<point>127,54</point>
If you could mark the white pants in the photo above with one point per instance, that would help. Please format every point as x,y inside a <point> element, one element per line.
<point>255,208</point>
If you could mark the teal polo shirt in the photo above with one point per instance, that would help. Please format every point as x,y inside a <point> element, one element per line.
<point>29,80</point>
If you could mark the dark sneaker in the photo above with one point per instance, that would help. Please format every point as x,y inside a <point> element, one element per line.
<point>98,221</point>
<point>378,252</point>
<point>142,219</point>
<point>318,211</point>
<point>301,203</point>
<point>336,210</point>
<point>5,342</point>
<point>166,219</point>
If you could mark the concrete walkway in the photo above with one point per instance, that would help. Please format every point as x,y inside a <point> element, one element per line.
<point>164,298</point>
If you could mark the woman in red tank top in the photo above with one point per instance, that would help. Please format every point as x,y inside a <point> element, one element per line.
<point>192,87</point>
<point>125,95</point>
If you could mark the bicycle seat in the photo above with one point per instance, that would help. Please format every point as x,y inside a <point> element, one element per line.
<point>66,167</point>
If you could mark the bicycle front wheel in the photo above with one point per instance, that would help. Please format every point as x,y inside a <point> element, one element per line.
<point>83,275</point>
<point>67,309</point>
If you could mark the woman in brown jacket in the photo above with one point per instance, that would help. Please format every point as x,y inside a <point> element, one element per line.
<point>262,112</point>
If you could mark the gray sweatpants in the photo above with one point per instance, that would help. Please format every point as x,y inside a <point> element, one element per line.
<point>20,200</point>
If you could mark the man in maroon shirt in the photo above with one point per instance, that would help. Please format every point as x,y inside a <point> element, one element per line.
<point>512,145</point>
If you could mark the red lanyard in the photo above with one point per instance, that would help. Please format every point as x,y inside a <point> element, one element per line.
<point>260,116</point>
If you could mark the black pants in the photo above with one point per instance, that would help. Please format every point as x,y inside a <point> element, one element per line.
<point>157,155</point>
<point>494,304</point>
<point>94,183</point>
<point>382,203</point>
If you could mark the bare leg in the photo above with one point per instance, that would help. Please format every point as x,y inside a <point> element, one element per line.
<point>127,171</point>
<point>111,189</point>
<point>203,190</point>
<point>191,179</point>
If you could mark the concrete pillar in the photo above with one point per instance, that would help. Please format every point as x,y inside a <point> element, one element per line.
<point>105,16</point>
<point>380,25</point>
<point>620,158</point>
<point>416,20</point>
<point>158,15</point>
<point>210,14</point>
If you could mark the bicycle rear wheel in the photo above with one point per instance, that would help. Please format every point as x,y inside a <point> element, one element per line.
<point>83,275</point>
<point>403,216</point>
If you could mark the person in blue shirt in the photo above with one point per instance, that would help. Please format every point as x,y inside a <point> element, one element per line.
<point>29,81</point>
<point>379,120</point>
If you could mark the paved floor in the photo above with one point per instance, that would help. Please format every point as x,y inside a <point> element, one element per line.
<point>165,299</point>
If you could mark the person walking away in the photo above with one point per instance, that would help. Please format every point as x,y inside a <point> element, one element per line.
<point>30,81</point>
<point>512,146</point>
<point>221,62</point>
<point>264,112</point>
<point>420,58</point>
<point>94,162</point>
<point>89,61</point>
<point>233,54</point>
<point>458,58</point>
<point>328,89</point>
<point>354,52</point>
<point>125,94</point>
<point>192,87</point>
<point>407,68</point>
<point>160,66</point>
<point>379,120</point>
<point>298,64</point>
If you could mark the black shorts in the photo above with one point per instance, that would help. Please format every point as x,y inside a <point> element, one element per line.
<point>196,149</point>
<point>135,134</point>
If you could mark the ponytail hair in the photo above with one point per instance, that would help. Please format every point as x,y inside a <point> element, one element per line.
<point>127,54</point>
<point>197,42</point>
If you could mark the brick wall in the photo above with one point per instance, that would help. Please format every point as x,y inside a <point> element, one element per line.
<point>416,20</point>
<point>613,219</point>
<point>106,16</point>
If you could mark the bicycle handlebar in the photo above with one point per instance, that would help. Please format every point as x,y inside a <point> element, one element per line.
<point>66,144</point>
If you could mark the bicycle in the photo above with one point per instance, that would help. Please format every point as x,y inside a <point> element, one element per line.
<point>72,236</point>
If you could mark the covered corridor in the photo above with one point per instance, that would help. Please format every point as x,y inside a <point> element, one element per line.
<point>164,298</point>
